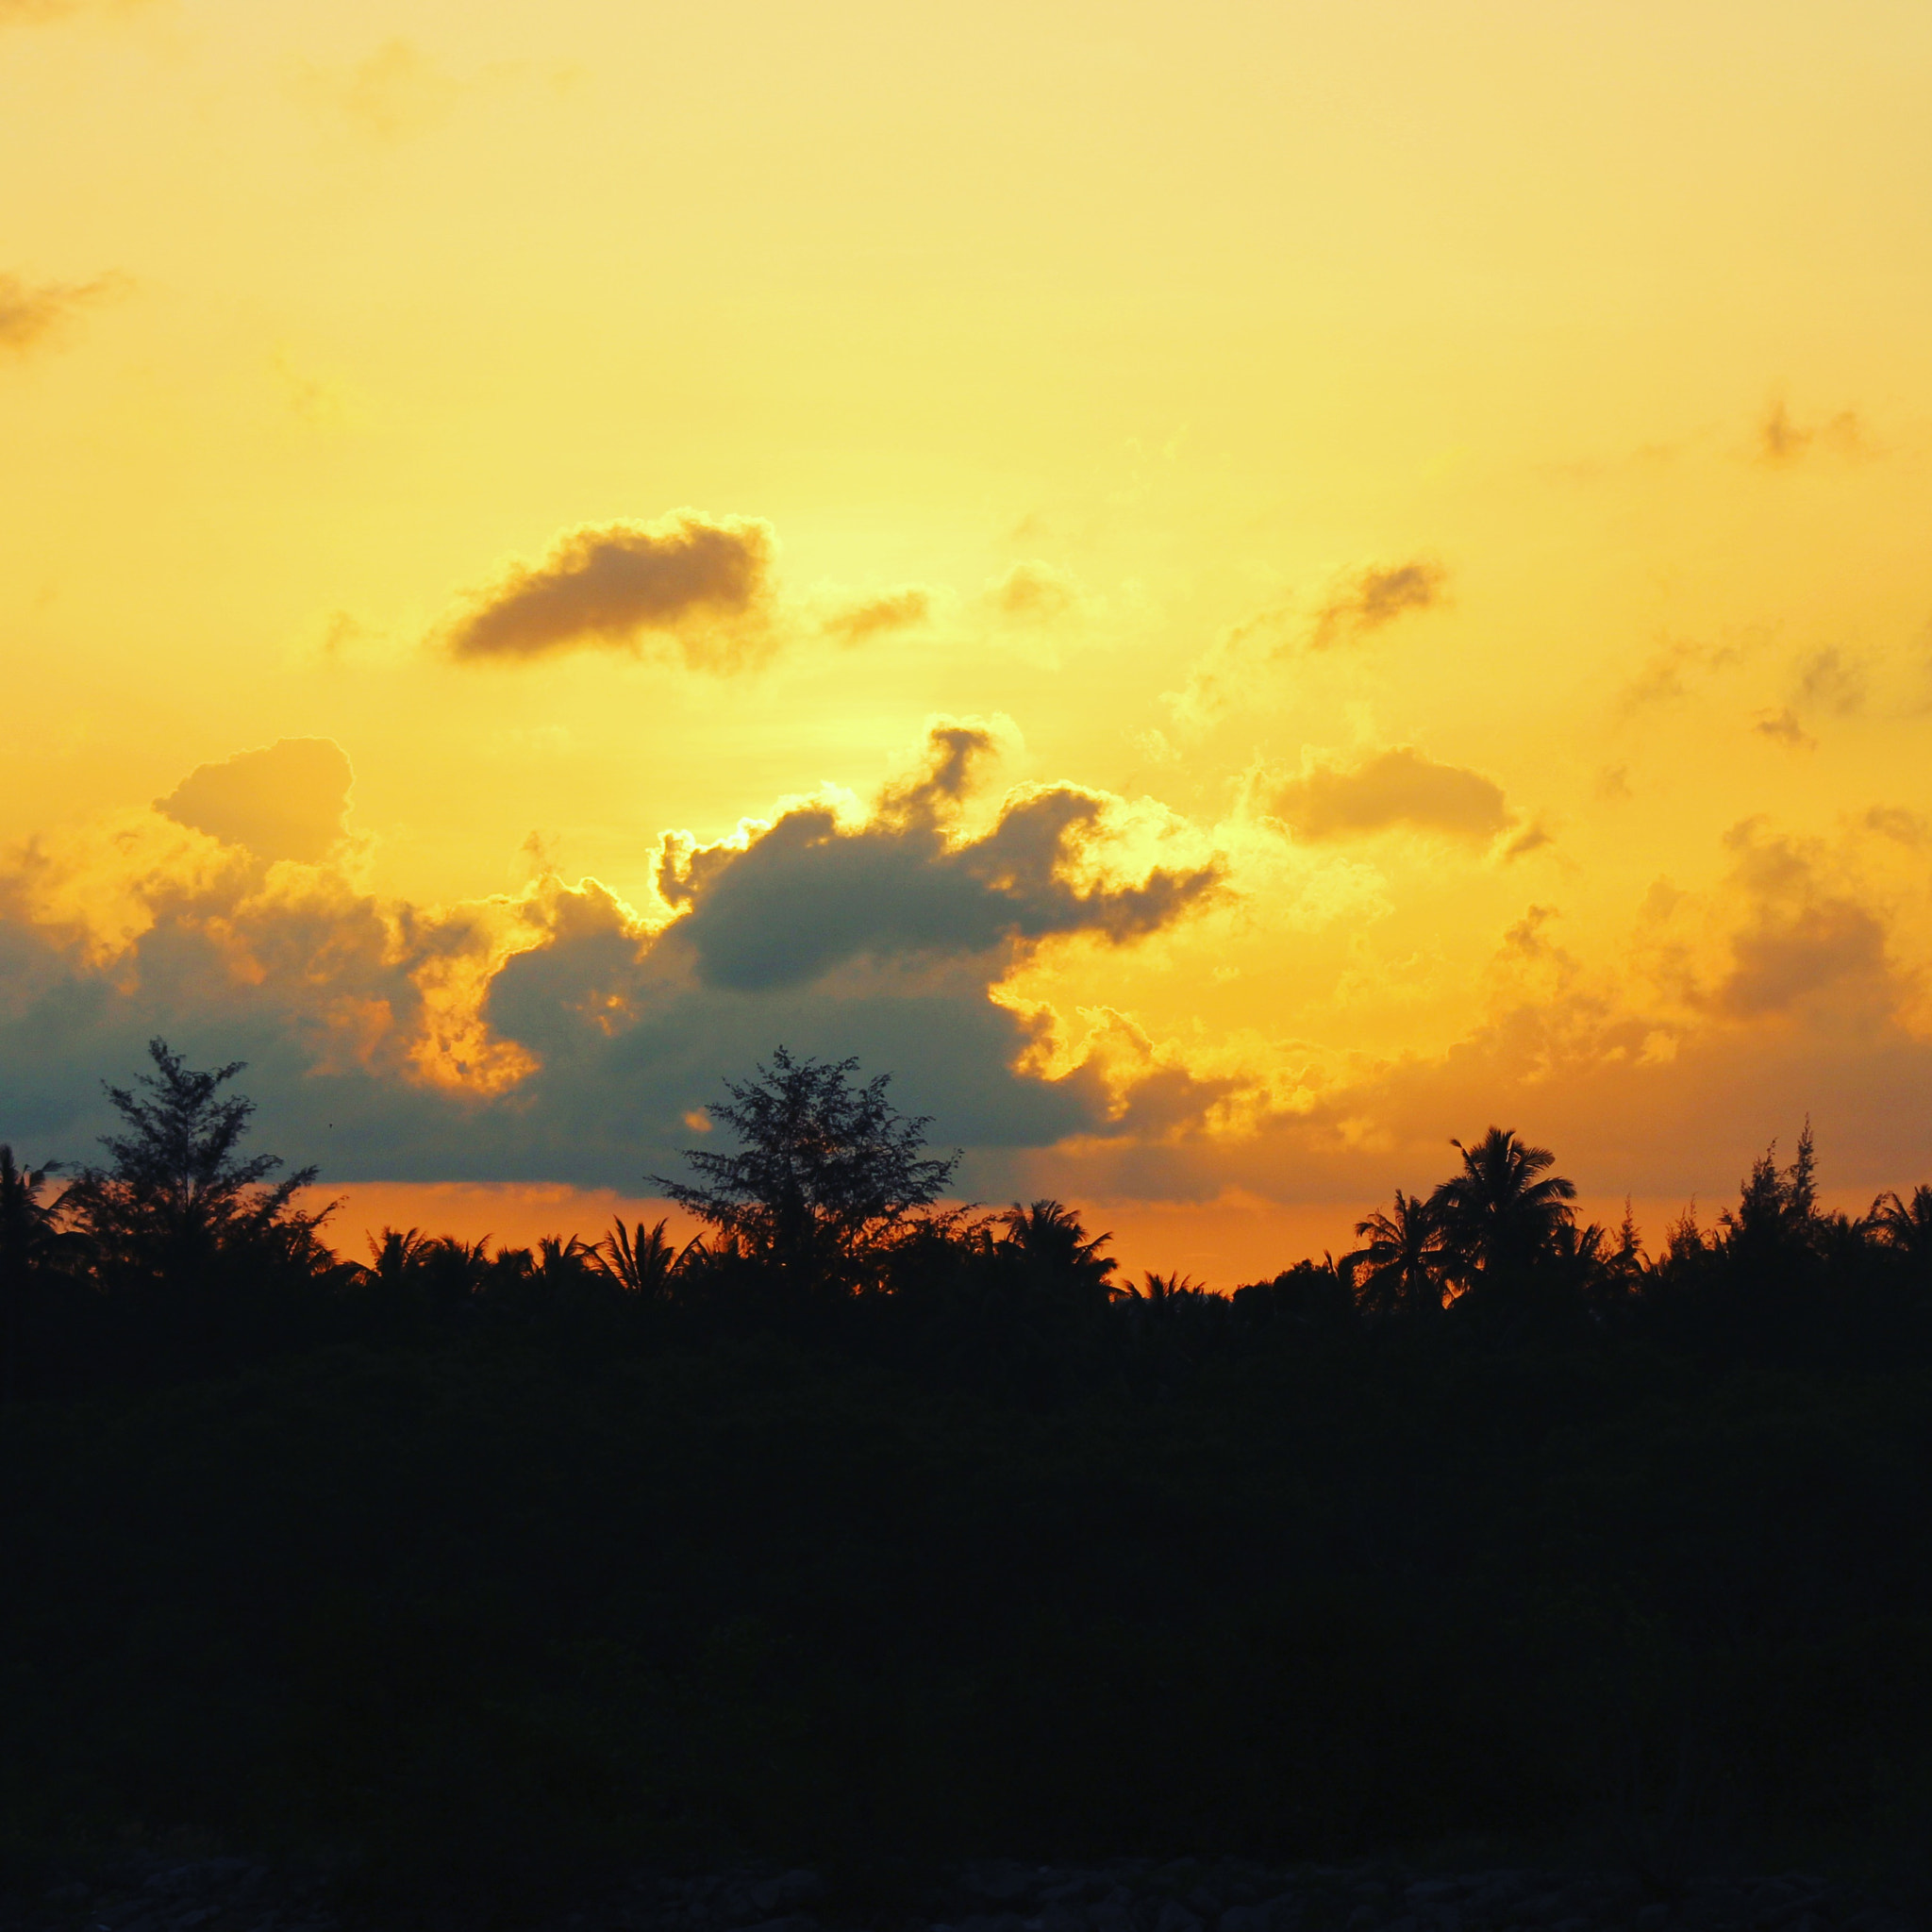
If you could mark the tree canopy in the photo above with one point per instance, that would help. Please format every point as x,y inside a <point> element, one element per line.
<point>828,1174</point>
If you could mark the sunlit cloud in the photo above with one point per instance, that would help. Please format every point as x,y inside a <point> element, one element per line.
<point>287,801</point>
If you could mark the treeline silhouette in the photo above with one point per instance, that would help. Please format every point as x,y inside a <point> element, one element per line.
<point>866,1527</point>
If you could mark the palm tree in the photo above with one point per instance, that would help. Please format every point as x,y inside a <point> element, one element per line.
<point>1405,1256</point>
<point>1905,1226</point>
<point>31,1238</point>
<point>1502,1212</point>
<point>1049,1238</point>
<point>641,1263</point>
<point>395,1255</point>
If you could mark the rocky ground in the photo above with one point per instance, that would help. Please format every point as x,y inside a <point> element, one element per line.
<point>234,1896</point>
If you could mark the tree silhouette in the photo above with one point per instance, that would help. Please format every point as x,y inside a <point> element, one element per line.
<point>828,1176</point>
<point>1500,1215</point>
<point>178,1196</point>
<point>641,1263</point>
<point>1404,1255</point>
<point>1048,1239</point>
<point>1906,1226</point>
<point>31,1239</point>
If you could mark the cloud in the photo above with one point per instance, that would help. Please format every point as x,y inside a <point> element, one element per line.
<point>867,618</point>
<point>1781,442</point>
<point>1782,727</point>
<point>286,801</point>
<point>36,313</point>
<point>1359,603</point>
<point>808,895</point>
<point>395,92</point>
<point>1800,935</point>
<point>1034,594</point>
<point>1532,837</point>
<point>1670,673</point>
<point>1369,599</point>
<point>1401,788</point>
<point>702,581</point>
<point>1829,680</point>
<point>559,1034</point>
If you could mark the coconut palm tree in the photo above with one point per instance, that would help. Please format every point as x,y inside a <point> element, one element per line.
<point>31,1238</point>
<point>1048,1237</point>
<point>1500,1213</point>
<point>643,1263</point>
<point>1904,1226</point>
<point>1404,1255</point>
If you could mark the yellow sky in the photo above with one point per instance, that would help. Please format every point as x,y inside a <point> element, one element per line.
<point>1457,476</point>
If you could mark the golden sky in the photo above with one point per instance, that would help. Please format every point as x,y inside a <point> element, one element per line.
<point>1228,592</point>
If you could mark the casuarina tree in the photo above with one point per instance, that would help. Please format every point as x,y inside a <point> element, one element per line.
<point>178,1200</point>
<point>828,1176</point>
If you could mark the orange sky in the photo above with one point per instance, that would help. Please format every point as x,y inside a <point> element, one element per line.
<point>1226,592</point>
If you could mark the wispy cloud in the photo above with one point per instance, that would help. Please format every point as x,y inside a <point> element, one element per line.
<point>1367,600</point>
<point>866,618</point>
<point>1782,727</point>
<point>1783,440</point>
<point>33,314</point>
<point>1035,594</point>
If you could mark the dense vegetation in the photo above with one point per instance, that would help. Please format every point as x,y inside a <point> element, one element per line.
<point>866,1528</point>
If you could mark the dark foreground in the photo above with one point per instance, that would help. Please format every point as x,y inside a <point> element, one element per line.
<point>1130,1895</point>
<point>479,1616</point>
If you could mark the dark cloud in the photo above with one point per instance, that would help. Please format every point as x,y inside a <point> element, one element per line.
<point>35,313</point>
<point>704,581</point>
<point>287,801</point>
<point>1399,788</point>
<point>871,617</point>
<point>808,895</point>
<point>1375,596</point>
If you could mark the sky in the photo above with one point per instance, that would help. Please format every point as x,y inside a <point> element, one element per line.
<point>1226,593</point>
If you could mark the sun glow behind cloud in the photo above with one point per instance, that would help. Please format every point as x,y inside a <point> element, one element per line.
<point>1453,487</point>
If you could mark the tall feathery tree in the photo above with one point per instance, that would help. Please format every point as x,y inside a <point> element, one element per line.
<point>828,1178</point>
<point>177,1195</point>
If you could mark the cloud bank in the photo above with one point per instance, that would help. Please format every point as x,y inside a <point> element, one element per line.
<point>560,1034</point>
